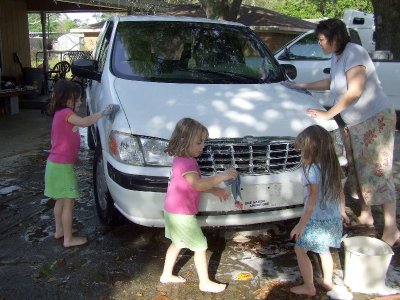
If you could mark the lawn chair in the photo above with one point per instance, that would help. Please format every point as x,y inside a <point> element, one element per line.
<point>59,71</point>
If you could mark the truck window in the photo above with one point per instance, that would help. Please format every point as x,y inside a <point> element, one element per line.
<point>307,49</point>
<point>354,36</point>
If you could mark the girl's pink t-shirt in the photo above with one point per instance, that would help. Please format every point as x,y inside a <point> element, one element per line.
<point>65,139</point>
<point>181,197</point>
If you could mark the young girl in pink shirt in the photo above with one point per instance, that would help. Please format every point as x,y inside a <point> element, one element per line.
<point>182,202</point>
<point>60,179</point>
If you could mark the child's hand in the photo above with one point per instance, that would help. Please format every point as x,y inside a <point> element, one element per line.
<point>345,218</point>
<point>222,194</point>
<point>297,231</point>
<point>229,174</point>
<point>110,109</point>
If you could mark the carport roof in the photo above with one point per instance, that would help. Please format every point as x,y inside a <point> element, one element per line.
<point>63,6</point>
<point>92,5</point>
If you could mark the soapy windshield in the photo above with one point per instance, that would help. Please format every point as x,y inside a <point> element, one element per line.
<point>191,52</point>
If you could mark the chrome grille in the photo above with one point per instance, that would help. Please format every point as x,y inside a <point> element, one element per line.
<point>249,156</point>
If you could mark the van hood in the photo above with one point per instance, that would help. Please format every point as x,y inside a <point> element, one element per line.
<point>227,110</point>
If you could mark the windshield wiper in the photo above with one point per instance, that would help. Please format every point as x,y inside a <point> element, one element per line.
<point>241,78</point>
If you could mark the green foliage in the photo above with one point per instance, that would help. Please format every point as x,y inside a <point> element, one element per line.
<point>65,24</point>
<point>306,9</point>
<point>35,24</point>
<point>105,16</point>
<point>312,9</point>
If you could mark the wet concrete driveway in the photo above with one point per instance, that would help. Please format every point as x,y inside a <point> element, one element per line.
<point>125,262</point>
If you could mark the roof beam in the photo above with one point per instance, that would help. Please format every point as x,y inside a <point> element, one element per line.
<point>95,5</point>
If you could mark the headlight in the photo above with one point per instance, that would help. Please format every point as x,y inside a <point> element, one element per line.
<point>138,151</point>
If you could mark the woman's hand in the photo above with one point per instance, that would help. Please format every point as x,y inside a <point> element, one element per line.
<point>318,114</point>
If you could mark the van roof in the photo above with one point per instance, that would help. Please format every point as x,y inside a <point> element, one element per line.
<point>152,18</point>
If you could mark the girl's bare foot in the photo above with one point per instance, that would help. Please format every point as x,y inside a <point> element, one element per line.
<point>391,237</point>
<point>328,286</point>
<point>60,234</point>
<point>212,287</point>
<point>75,241</point>
<point>366,218</point>
<point>303,290</point>
<point>172,279</point>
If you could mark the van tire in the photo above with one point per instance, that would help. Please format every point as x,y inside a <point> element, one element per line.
<point>108,214</point>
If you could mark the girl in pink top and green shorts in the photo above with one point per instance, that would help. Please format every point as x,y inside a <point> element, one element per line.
<point>60,179</point>
<point>182,202</point>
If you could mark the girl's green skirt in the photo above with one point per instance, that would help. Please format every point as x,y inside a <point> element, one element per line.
<point>60,181</point>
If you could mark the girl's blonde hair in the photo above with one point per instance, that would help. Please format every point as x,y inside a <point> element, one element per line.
<point>316,146</point>
<point>186,130</point>
<point>63,91</point>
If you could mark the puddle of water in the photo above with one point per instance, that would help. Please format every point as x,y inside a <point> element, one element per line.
<point>9,189</point>
<point>83,134</point>
<point>37,234</point>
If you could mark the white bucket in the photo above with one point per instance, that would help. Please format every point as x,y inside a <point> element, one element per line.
<point>366,263</point>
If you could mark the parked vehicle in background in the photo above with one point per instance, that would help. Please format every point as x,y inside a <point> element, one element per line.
<point>363,24</point>
<point>161,69</point>
<point>305,54</point>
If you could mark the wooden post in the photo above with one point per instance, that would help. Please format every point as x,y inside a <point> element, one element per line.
<point>45,58</point>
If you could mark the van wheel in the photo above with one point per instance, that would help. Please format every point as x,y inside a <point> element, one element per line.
<point>106,210</point>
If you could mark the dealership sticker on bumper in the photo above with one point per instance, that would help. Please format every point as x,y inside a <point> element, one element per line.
<point>260,193</point>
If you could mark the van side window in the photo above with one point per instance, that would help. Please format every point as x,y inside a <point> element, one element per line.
<point>104,47</point>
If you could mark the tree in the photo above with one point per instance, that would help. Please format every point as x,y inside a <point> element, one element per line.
<point>35,24</point>
<point>312,9</point>
<point>387,14</point>
<point>222,9</point>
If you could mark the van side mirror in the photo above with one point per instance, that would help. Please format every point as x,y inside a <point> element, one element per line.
<point>86,68</point>
<point>290,70</point>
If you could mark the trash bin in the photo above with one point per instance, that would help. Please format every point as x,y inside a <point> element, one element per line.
<point>366,262</point>
<point>33,77</point>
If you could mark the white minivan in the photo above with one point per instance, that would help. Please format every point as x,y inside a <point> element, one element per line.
<point>160,69</point>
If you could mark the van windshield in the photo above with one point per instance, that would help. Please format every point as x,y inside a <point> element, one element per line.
<point>191,52</point>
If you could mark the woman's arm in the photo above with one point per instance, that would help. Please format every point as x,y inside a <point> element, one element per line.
<point>355,85</point>
<point>321,85</point>
<point>307,213</point>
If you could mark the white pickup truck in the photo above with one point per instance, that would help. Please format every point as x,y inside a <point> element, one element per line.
<point>312,64</point>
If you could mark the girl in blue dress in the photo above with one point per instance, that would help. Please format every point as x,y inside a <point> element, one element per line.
<point>320,226</point>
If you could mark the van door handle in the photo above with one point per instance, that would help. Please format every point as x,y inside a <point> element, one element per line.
<point>327,70</point>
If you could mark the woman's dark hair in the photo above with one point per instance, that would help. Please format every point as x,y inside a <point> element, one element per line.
<point>335,31</point>
<point>63,91</point>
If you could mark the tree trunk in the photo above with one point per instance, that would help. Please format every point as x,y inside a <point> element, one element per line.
<point>387,16</point>
<point>221,9</point>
